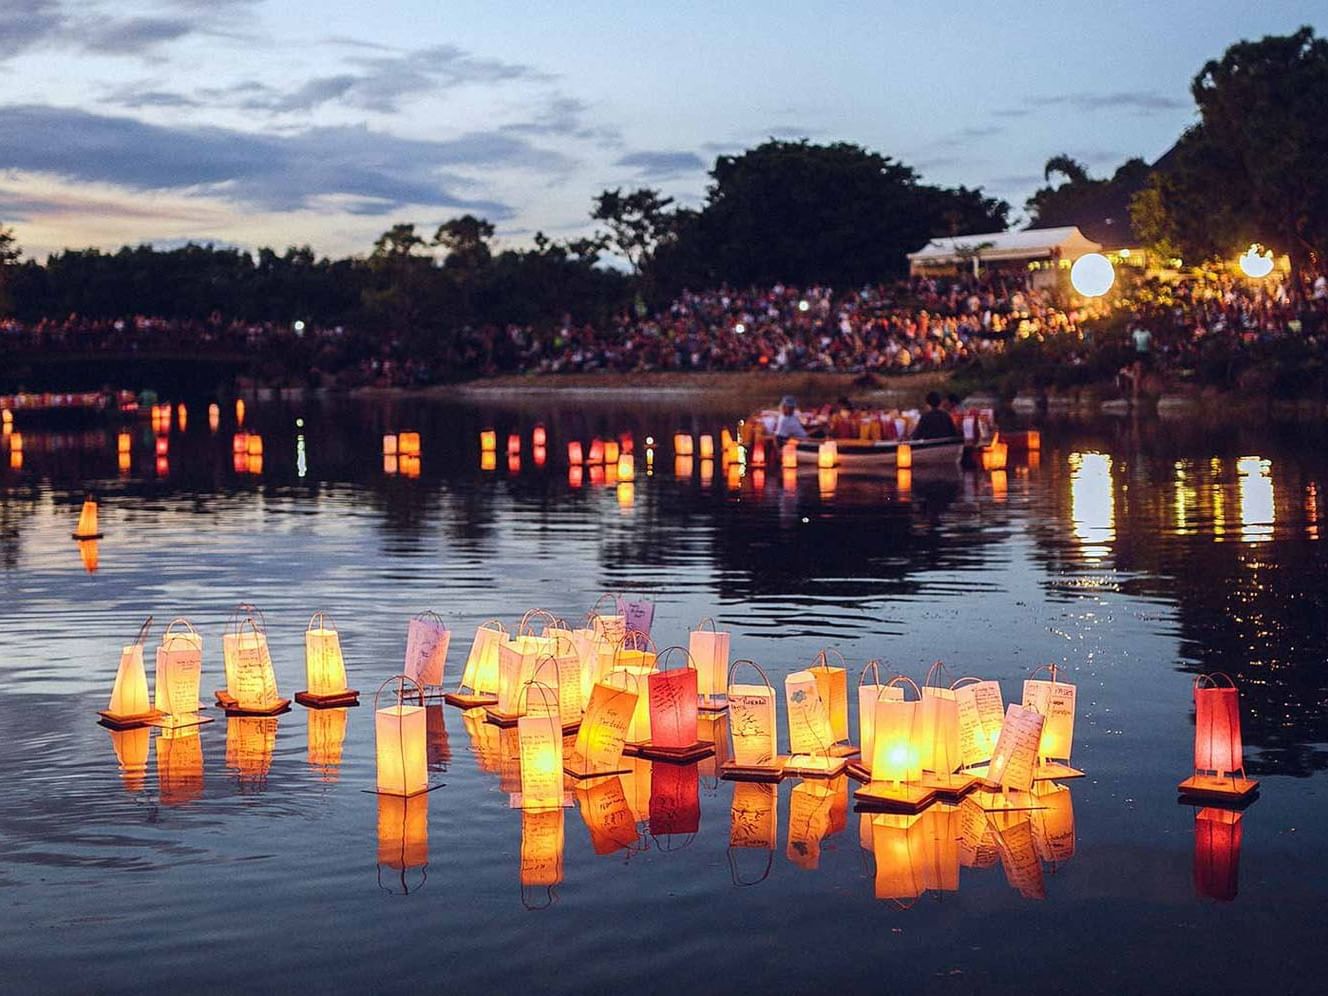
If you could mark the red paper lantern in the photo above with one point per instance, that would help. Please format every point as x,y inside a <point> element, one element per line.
<point>539,437</point>
<point>574,453</point>
<point>1217,743</point>
<point>672,698</point>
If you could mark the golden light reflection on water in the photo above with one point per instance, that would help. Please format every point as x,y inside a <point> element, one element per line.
<point>1254,477</point>
<point>1092,504</point>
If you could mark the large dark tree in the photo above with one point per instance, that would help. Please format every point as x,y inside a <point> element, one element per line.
<point>9,255</point>
<point>1257,156</point>
<point>1082,200</point>
<point>638,223</point>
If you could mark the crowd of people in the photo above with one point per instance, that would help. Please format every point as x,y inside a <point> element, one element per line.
<point>921,324</point>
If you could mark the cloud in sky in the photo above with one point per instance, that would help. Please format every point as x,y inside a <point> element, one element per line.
<point>133,35</point>
<point>273,172</point>
<point>24,23</point>
<point>661,165</point>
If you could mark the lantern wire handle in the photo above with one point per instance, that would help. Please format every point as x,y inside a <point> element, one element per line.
<point>525,628</point>
<point>535,680</point>
<point>1211,678</point>
<point>707,619</point>
<point>937,671</point>
<point>874,666</point>
<point>594,612</point>
<point>636,640</point>
<point>669,653</point>
<point>752,664</point>
<point>966,680</point>
<point>1051,669</point>
<point>429,615</point>
<point>900,679</point>
<point>765,874</point>
<point>823,659</point>
<point>545,691</point>
<point>324,620</point>
<point>170,628</point>
<point>142,638</point>
<point>250,611</point>
<point>636,680</point>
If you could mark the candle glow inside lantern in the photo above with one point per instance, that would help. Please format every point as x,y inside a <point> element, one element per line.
<point>130,706</point>
<point>179,673</point>
<point>904,457</point>
<point>574,454</point>
<point>488,441</point>
<point>611,625</point>
<point>251,682</point>
<point>214,416</point>
<point>603,731</point>
<point>827,454</point>
<point>1219,764</point>
<point>788,457</point>
<point>752,727</point>
<point>408,443</point>
<point>427,643</point>
<point>637,656</point>
<point>938,736</point>
<point>810,735</point>
<point>540,741</point>
<point>1055,700</point>
<point>324,666</point>
<point>403,841</point>
<point>682,444</point>
<point>389,444</point>
<point>671,694</point>
<point>596,454</point>
<point>709,651</point>
<point>981,713</point>
<point>538,436</point>
<point>87,522</point>
<point>611,452</point>
<point>1014,759</point>
<point>707,447</point>
<point>895,770</point>
<point>400,732</point>
<point>869,692</point>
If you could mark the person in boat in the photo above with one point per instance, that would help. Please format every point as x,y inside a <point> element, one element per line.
<point>935,422</point>
<point>788,425</point>
<point>844,422</point>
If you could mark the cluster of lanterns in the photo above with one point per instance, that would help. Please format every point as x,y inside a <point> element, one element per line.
<point>401,454</point>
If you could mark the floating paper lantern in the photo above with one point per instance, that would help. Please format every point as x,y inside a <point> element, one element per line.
<point>179,672</point>
<point>561,670</point>
<point>827,454</point>
<point>574,455</point>
<point>1217,838</point>
<point>251,682</point>
<point>788,458</point>
<point>752,718</point>
<point>254,445</point>
<point>87,522</point>
<point>869,692</point>
<point>327,735</point>
<point>131,752</point>
<point>427,642</point>
<point>709,650</point>
<point>682,444</point>
<point>612,625</point>
<point>672,699</point>
<point>517,658</point>
<point>179,765</point>
<point>182,416</point>
<point>542,837</point>
<point>603,731</point>
<point>408,443</point>
<point>895,766</point>
<point>832,685</point>
<point>981,713</point>
<point>1219,763</point>
<point>1055,701</point>
<point>214,416</point>
<point>626,468</point>
<point>324,666</point>
<point>130,705</point>
<point>540,740</point>
<point>1014,759</point>
<point>538,437</point>
<point>239,411</point>
<point>938,734</point>
<point>638,614</point>
<point>513,444</point>
<point>403,841</point>
<point>636,655</point>
<point>707,447</point>
<point>488,441</point>
<point>400,732</point>
<point>389,444</point>
<point>810,736</point>
<point>903,456</point>
<point>625,443</point>
<point>596,454</point>
<point>611,452</point>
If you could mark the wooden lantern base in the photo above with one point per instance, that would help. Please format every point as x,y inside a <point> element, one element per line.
<point>506,720</point>
<point>772,772</point>
<point>1218,789</point>
<point>1006,802</point>
<point>81,537</point>
<point>844,750</point>
<point>1049,771</point>
<point>813,766</point>
<point>950,786</point>
<point>857,771</point>
<point>463,701</point>
<point>233,708</point>
<point>905,797</point>
<point>697,751</point>
<point>117,721</point>
<point>704,704</point>
<point>183,722</point>
<point>582,776</point>
<point>350,697</point>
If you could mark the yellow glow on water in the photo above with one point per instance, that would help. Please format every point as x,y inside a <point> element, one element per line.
<point>1092,503</point>
<point>1254,476</point>
<point>1183,500</point>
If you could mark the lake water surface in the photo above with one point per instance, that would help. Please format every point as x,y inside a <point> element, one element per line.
<point>1135,554</point>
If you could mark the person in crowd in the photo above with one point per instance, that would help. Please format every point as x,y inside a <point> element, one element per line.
<point>934,423</point>
<point>788,425</point>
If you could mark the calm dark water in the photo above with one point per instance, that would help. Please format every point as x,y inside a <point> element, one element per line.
<point>1135,554</point>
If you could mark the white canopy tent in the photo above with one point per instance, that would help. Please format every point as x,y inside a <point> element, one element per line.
<point>1002,247</point>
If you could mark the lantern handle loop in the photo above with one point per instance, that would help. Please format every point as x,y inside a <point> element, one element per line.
<point>1211,678</point>
<point>900,679</point>
<point>1051,669</point>
<point>738,880</point>
<point>142,638</point>
<point>707,619</point>
<point>324,620</point>
<point>594,609</point>
<point>534,679</point>
<point>752,664</point>
<point>170,628</point>
<point>823,659</point>
<point>636,640</point>
<point>401,681</point>
<point>250,611</point>
<point>552,897</point>
<point>937,671</point>
<point>671,653</point>
<point>612,672</point>
<point>553,716</point>
<point>526,629</point>
<point>429,615</point>
<point>967,679</point>
<point>874,666</point>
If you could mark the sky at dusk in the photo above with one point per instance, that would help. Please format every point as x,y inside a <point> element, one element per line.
<point>272,122</point>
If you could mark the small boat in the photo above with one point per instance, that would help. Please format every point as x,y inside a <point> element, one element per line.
<point>882,454</point>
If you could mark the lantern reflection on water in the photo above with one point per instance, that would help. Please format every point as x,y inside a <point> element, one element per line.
<point>626,495</point>
<point>611,452</point>
<point>898,848</point>
<point>250,744</point>
<point>88,555</point>
<point>810,805</point>
<point>438,746</point>
<point>574,455</point>
<point>606,814</point>
<point>710,653</point>
<point>400,732</point>
<point>1219,763</point>
<point>675,800</point>
<point>129,705</point>
<point>327,734</point>
<point>1217,837</point>
<point>1053,823</point>
<point>1018,850</point>
<point>753,825</point>
<point>179,765</point>
<point>488,460</point>
<point>403,840</point>
<point>542,836</point>
<point>131,752</point>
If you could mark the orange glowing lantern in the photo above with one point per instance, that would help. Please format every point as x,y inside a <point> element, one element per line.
<point>709,651</point>
<point>626,468</point>
<point>752,719</point>
<point>788,458</point>
<point>327,734</point>
<point>540,742</point>
<point>869,692</point>
<point>636,656</point>
<point>707,446</point>
<point>994,456</point>
<point>239,411</point>
<point>1055,701</point>
<point>608,474</point>
<point>1217,838</point>
<point>517,658</point>
<point>899,844</point>
<point>131,752</point>
<point>610,626</point>
<point>938,736</point>
<point>123,442</point>
<point>513,444</point>
<point>538,437</point>
<point>576,477</point>
<point>1000,485</point>
<point>163,445</point>
<point>488,460</point>
<point>16,442</point>
<point>488,441</point>
<point>409,443</point>
<point>561,671</point>
<point>241,463</point>
<point>682,444</point>
<point>1219,763</point>
<point>904,456</point>
<point>810,736</point>
<point>87,522</point>
<point>251,682</point>
<point>251,742</point>
<point>596,455</point>
<point>182,416</point>
<point>832,686</point>
<point>827,480</point>
<point>130,705</point>
<point>389,444</point>
<point>603,731</point>
<point>1014,758</point>
<point>240,443</point>
<point>625,442</point>
<point>574,455</point>
<point>214,416</point>
<point>427,642</point>
<point>324,666</point>
<point>732,476</point>
<point>981,713</point>
<point>403,841</point>
<point>179,673</point>
<point>611,452</point>
<point>410,467</point>
<point>671,694</point>
<point>542,838</point>
<point>827,454</point>
<point>896,761</point>
<point>757,455</point>
<point>683,467</point>
<point>179,765</point>
<point>400,732</point>
<point>254,444</point>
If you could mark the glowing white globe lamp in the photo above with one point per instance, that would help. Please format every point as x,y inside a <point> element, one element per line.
<point>1092,274</point>
<point>1256,264</point>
